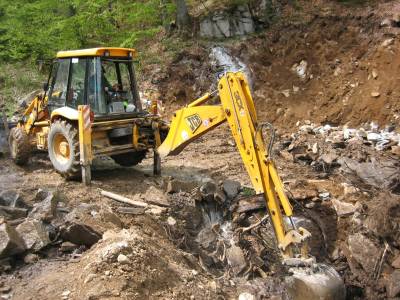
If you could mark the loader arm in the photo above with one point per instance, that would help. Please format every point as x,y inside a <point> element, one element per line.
<point>237,108</point>
<point>35,112</point>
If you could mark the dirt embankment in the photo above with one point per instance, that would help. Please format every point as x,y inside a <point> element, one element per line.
<point>326,62</point>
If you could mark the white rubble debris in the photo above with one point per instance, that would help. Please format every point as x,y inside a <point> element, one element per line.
<point>246,296</point>
<point>324,196</point>
<point>300,69</point>
<point>380,139</point>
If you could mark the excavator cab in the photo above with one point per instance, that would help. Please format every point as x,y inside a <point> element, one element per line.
<point>105,82</point>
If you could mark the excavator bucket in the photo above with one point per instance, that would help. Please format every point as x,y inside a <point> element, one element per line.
<point>321,282</point>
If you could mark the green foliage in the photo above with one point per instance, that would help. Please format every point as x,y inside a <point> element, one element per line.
<point>32,31</point>
<point>248,191</point>
<point>37,29</point>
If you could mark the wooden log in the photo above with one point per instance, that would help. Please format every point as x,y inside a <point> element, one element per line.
<point>123,199</point>
<point>131,210</point>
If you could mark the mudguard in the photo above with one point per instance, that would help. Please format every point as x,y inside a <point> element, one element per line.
<point>66,113</point>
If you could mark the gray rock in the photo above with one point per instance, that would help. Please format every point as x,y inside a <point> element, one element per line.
<point>231,188</point>
<point>12,198</point>
<point>222,24</point>
<point>206,238</point>
<point>41,195</point>
<point>383,173</point>
<point>323,283</point>
<point>393,284</point>
<point>207,191</point>
<point>10,241</point>
<point>236,259</point>
<point>80,234</point>
<point>342,208</point>
<point>328,158</point>
<point>380,219</point>
<point>175,186</point>
<point>12,213</point>
<point>220,197</point>
<point>5,264</point>
<point>363,251</point>
<point>122,259</point>
<point>34,234</point>
<point>396,262</point>
<point>107,215</point>
<point>31,258</point>
<point>46,210</point>
<point>155,196</point>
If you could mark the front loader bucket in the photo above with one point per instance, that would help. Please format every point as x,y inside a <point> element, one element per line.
<point>319,282</point>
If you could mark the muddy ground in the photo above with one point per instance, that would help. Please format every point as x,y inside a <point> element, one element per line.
<point>163,252</point>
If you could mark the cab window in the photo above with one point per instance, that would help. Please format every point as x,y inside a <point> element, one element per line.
<point>76,91</point>
<point>59,83</point>
<point>94,95</point>
<point>117,86</point>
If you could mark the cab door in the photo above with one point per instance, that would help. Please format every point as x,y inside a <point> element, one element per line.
<point>76,94</point>
<point>59,84</point>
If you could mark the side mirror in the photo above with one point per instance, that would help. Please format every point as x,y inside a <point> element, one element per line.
<point>45,86</point>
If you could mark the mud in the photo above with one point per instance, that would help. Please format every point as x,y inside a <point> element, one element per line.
<point>200,252</point>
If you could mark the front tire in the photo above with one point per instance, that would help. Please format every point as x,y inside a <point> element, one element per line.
<point>18,142</point>
<point>63,148</point>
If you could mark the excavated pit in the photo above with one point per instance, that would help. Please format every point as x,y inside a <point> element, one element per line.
<point>230,244</point>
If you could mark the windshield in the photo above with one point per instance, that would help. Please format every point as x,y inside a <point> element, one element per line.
<point>117,86</point>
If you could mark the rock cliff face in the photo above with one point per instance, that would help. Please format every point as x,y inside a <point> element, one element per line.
<point>221,19</point>
<point>234,22</point>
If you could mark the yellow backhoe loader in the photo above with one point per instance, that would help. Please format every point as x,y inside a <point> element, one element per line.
<point>91,107</point>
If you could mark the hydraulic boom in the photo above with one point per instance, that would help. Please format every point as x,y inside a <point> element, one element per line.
<point>237,108</point>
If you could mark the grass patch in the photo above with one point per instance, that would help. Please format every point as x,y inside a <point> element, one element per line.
<point>17,80</point>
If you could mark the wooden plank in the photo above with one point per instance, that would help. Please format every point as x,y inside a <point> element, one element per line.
<point>131,210</point>
<point>123,199</point>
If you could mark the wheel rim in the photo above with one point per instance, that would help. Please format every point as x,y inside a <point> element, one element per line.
<point>61,148</point>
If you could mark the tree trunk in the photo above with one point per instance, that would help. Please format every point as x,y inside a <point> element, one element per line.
<point>182,15</point>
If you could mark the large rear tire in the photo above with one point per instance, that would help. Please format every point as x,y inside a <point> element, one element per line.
<point>129,159</point>
<point>63,148</point>
<point>19,145</point>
